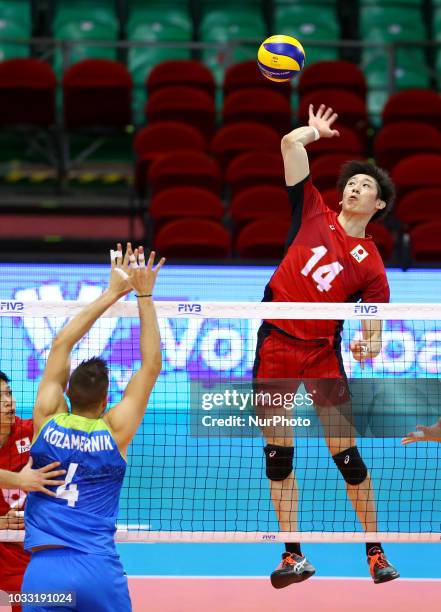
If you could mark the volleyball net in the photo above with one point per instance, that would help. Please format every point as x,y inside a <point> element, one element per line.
<point>196,468</point>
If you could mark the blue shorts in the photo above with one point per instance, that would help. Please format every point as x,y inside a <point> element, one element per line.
<point>98,581</point>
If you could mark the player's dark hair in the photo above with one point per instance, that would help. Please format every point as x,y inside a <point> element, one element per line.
<point>385,186</point>
<point>88,384</point>
<point>4,377</point>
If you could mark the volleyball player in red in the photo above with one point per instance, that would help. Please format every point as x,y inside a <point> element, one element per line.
<point>15,442</point>
<point>328,259</point>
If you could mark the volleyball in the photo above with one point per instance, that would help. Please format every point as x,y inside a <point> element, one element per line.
<point>280,58</point>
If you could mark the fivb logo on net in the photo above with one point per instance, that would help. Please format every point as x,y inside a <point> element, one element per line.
<point>43,334</point>
<point>11,306</point>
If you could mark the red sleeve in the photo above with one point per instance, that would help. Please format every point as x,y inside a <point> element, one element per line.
<point>377,290</point>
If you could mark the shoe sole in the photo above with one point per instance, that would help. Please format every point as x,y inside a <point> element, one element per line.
<point>283,581</point>
<point>387,578</point>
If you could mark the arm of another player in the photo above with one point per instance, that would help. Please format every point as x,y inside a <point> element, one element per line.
<point>32,480</point>
<point>125,418</point>
<point>50,396</point>
<point>424,434</point>
<point>295,158</point>
<point>370,346</point>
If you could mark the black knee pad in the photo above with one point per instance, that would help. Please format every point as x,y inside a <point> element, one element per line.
<point>351,466</point>
<point>278,461</point>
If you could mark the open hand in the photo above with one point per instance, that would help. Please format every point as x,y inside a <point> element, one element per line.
<point>142,276</point>
<point>37,480</point>
<point>432,433</point>
<point>322,120</point>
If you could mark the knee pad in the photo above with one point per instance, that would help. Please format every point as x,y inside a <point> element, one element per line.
<point>351,465</point>
<point>278,461</point>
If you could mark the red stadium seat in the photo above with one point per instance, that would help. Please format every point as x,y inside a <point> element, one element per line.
<point>181,202</point>
<point>193,239</point>
<point>90,227</point>
<point>414,105</point>
<point>232,140</point>
<point>27,92</point>
<point>332,197</point>
<point>187,104</point>
<point>258,104</point>
<point>190,73</point>
<point>97,92</point>
<point>351,108</point>
<point>425,243</point>
<point>184,168</point>
<point>263,239</point>
<point>153,141</point>
<point>244,75</point>
<point>417,171</point>
<point>419,206</point>
<point>382,238</point>
<point>255,168</point>
<point>349,143</point>
<point>334,74</point>
<point>260,201</point>
<point>398,140</point>
<point>326,169</point>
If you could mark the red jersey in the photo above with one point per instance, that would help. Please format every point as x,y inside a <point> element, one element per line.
<point>13,456</point>
<point>323,264</point>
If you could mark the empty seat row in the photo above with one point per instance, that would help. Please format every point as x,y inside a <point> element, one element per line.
<point>262,200</point>
<point>104,87</point>
<point>195,238</point>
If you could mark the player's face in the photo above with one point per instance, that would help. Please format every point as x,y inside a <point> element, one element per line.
<point>360,196</point>
<point>7,406</point>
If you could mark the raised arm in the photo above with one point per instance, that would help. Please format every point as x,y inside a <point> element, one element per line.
<point>50,396</point>
<point>125,418</point>
<point>295,158</point>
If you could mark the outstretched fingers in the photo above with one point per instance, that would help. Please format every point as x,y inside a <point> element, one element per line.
<point>159,265</point>
<point>141,257</point>
<point>328,113</point>
<point>116,256</point>
<point>151,260</point>
<point>320,111</point>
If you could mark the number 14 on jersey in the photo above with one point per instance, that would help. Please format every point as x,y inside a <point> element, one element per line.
<point>325,274</point>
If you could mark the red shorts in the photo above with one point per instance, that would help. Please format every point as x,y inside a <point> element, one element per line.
<point>13,563</point>
<point>12,584</point>
<point>290,361</point>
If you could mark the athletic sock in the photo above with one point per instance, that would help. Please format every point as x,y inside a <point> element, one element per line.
<point>370,545</point>
<point>293,547</point>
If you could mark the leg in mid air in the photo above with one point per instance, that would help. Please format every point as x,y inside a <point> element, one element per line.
<point>279,452</point>
<point>271,377</point>
<point>340,439</point>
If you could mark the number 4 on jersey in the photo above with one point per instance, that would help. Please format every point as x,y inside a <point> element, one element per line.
<point>324,275</point>
<point>68,490</point>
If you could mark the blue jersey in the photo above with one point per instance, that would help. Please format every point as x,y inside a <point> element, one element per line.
<point>83,514</point>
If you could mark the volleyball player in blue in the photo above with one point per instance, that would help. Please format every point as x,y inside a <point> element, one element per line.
<point>71,536</point>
